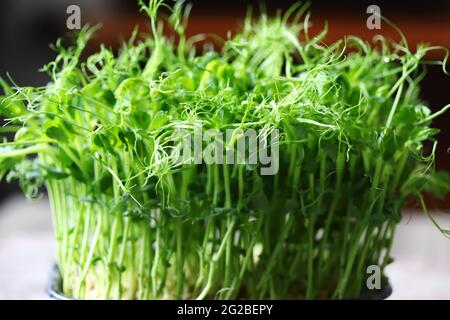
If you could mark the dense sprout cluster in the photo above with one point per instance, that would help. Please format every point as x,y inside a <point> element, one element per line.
<point>133,223</point>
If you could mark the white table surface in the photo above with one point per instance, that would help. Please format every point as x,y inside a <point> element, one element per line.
<point>421,269</point>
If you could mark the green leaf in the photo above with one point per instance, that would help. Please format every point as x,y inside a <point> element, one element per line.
<point>56,133</point>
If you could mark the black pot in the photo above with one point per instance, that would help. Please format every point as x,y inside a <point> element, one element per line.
<point>54,289</point>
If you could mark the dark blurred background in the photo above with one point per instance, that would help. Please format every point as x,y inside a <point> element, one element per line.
<point>27,27</point>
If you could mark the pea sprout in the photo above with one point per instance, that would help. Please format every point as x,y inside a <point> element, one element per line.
<point>133,223</point>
